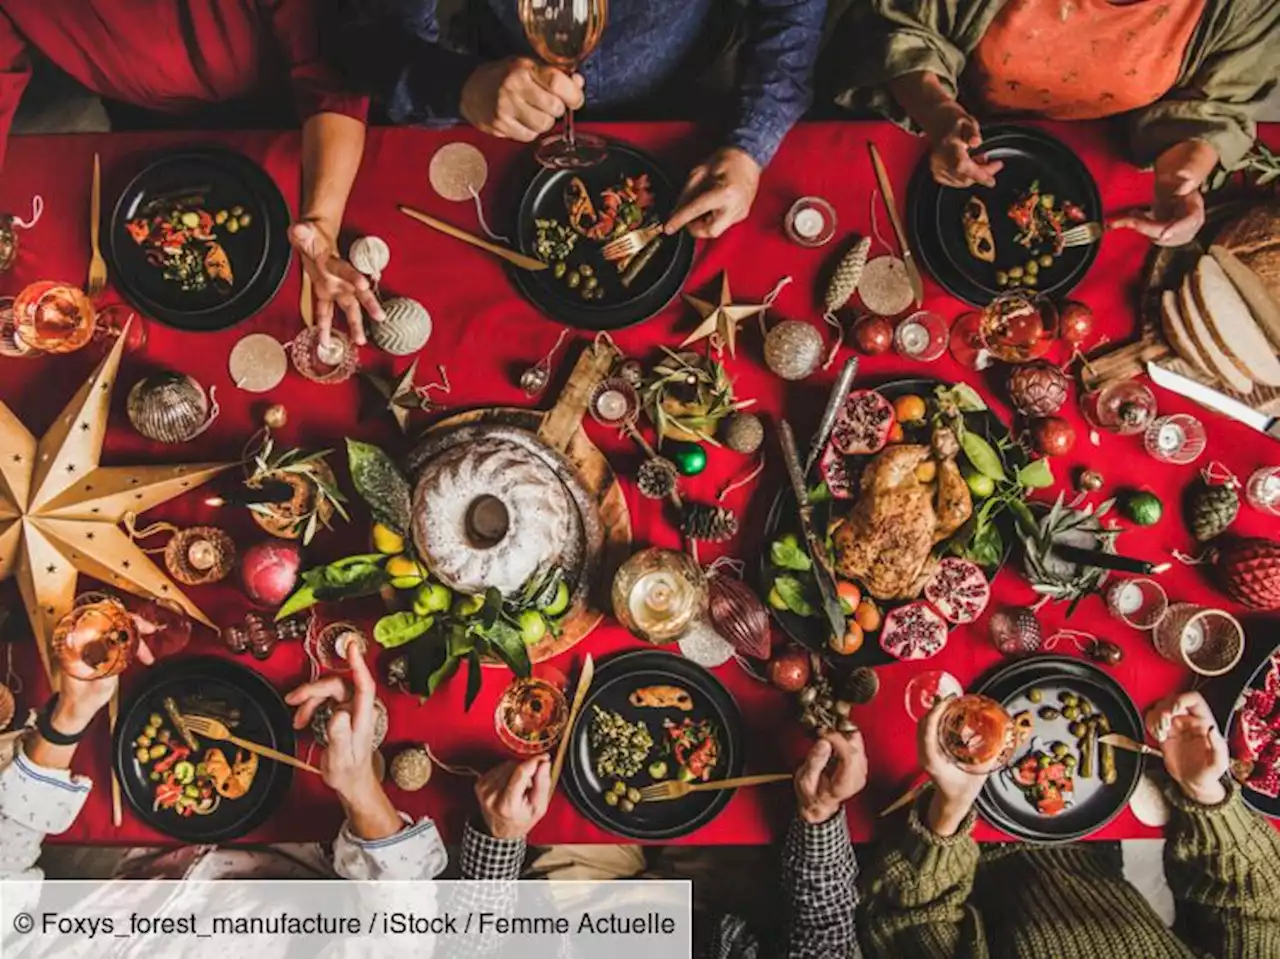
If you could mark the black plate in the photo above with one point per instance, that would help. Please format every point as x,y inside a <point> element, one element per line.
<point>1222,694</point>
<point>265,719</point>
<point>614,681</point>
<point>1003,805</point>
<point>259,254</point>
<point>937,233</point>
<point>655,287</point>
<point>811,632</point>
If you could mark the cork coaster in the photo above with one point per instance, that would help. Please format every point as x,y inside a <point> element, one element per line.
<point>885,287</point>
<point>257,363</point>
<point>456,170</point>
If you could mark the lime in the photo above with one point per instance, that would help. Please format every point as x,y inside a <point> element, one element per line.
<point>386,540</point>
<point>980,484</point>
<point>468,605</point>
<point>405,572</point>
<point>776,600</point>
<point>533,626</point>
<point>1143,507</point>
<point>432,598</point>
<point>560,602</point>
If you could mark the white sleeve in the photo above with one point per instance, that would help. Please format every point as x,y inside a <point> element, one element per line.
<point>34,802</point>
<point>415,852</point>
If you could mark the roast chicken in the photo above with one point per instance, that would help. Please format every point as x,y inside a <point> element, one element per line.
<point>886,544</point>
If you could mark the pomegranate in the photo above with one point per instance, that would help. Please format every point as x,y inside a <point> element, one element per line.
<point>913,631</point>
<point>269,571</point>
<point>959,590</point>
<point>1053,436</point>
<point>1076,322</point>
<point>789,670</point>
<point>863,423</point>
<point>873,334</point>
<point>835,473</point>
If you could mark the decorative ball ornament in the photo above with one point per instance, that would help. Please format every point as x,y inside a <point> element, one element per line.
<point>456,170</point>
<point>657,478</point>
<point>200,555</point>
<point>370,255</point>
<point>793,349</point>
<point>170,407</point>
<point>690,458</point>
<point>405,328</point>
<point>705,646</point>
<point>1016,632</point>
<point>269,572</point>
<point>275,416</point>
<point>861,686</point>
<point>411,769</point>
<point>873,335</point>
<point>743,432</point>
<point>1075,321</point>
<point>1089,481</point>
<point>534,380</point>
<point>257,363</point>
<point>738,615</point>
<point>1038,388</point>
<point>1053,436</point>
<point>1212,505</point>
<point>885,287</point>
<point>1249,570</point>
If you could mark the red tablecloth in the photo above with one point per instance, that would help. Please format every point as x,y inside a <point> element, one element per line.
<point>485,334</point>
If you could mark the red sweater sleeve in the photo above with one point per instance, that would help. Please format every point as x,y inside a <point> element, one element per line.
<point>15,72</point>
<point>317,86</point>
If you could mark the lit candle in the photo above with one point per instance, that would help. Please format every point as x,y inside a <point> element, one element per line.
<point>1193,637</point>
<point>202,555</point>
<point>1129,599</point>
<point>656,600</point>
<point>809,223</point>
<point>913,338</point>
<point>611,405</point>
<point>330,355</point>
<point>1170,438</point>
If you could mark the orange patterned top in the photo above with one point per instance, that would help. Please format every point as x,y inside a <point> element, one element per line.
<point>1081,59</point>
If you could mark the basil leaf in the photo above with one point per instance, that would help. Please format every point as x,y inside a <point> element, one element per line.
<point>983,456</point>
<point>396,629</point>
<point>1037,474</point>
<point>473,679</point>
<point>380,484</point>
<point>793,593</point>
<point>788,554</point>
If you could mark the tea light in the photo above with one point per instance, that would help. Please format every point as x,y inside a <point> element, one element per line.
<point>922,336</point>
<point>1138,602</point>
<point>202,555</point>
<point>334,363</point>
<point>337,643</point>
<point>659,593</point>
<point>1177,439</point>
<point>1263,490</point>
<point>811,221</point>
<point>1207,641</point>
<point>614,402</point>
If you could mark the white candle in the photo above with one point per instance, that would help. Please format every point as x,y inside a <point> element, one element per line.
<point>913,338</point>
<point>1170,438</point>
<point>809,223</point>
<point>611,405</point>
<point>656,599</point>
<point>1129,599</point>
<point>1192,637</point>
<point>330,355</point>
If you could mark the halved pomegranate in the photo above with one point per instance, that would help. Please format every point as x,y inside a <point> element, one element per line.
<point>863,423</point>
<point>913,631</point>
<point>959,590</point>
<point>835,473</point>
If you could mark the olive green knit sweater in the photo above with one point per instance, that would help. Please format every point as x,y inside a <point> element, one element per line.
<point>927,896</point>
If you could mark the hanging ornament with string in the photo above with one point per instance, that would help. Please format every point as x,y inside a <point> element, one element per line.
<point>9,226</point>
<point>370,255</point>
<point>736,611</point>
<point>405,327</point>
<point>843,284</point>
<point>257,363</point>
<point>458,172</point>
<point>170,407</point>
<point>535,379</point>
<point>1213,502</point>
<point>195,556</point>
<point>884,287</point>
<point>1101,651</point>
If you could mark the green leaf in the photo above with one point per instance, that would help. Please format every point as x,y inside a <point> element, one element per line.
<point>820,493</point>
<point>1025,519</point>
<point>963,396</point>
<point>442,674</point>
<point>492,607</point>
<point>789,554</point>
<point>396,629</point>
<point>303,598</point>
<point>473,679</point>
<point>507,645</point>
<point>380,485</point>
<point>982,456</point>
<point>309,531</point>
<point>794,594</point>
<point>1037,474</point>
<point>986,547</point>
<point>346,582</point>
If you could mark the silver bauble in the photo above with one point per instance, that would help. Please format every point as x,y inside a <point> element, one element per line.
<point>370,255</point>
<point>411,768</point>
<point>743,432</point>
<point>793,349</point>
<point>406,328</point>
<point>169,407</point>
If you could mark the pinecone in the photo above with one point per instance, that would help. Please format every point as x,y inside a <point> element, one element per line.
<point>712,524</point>
<point>657,478</point>
<point>1211,509</point>
<point>743,432</point>
<point>1249,570</point>
<point>398,672</point>
<point>1038,389</point>
<point>860,686</point>
<point>847,274</point>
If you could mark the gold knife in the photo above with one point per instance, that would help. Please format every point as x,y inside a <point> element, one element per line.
<point>511,256</point>
<point>579,696</point>
<point>305,305</point>
<point>1121,741</point>
<point>886,191</point>
<point>113,716</point>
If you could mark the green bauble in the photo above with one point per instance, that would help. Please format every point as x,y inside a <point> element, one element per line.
<point>690,458</point>
<point>1143,508</point>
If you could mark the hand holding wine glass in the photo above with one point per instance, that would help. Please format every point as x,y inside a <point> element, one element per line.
<point>518,98</point>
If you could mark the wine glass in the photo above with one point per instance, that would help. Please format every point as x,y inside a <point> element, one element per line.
<point>564,33</point>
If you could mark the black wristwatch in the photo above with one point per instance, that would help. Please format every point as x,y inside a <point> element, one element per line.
<point>44,725</point>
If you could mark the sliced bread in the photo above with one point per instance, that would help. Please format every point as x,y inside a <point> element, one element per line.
<point>1231,323</point>
<point>1179,337</point>
<point>1262,302</point>
<point>1217,361</point>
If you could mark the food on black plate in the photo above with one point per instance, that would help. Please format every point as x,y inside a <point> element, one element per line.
<point>182,239</point>
<point>694,747</point>
<point>1046,780</point>
<point>619,748</point>
<point>977,230</point>
<point>186,780</point>
<point>622,207</point>
<point>662,697</point>
<point>1040,220</point>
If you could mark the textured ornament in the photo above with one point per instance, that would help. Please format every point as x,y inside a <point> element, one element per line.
<point>411,768</point>
<point>743,432</point>
<point>1053,435</point>
<point>257,363</point>
<point>632,371</point>
<point>844,281</point>
<point>1211,509</point>
<point>405,328</point>
<point>200,555</point>
<point>711,524</point>
<point>720,319</point>
<point>793,349</point>
<point>657,478</point>
<point>873,335</point>
<point>1016,632</point>
<point>861,686</point>
<point>1142,507</point>
<point>398,673</point>
<point>738,615</point>
<point>535,379</point>
<point>885,287</point>
<point>690,458</point>
<point>170,407</point>
<point>1089,481</point>
<point>1249,570</point>
<point>8,245</point>
<point>370,255</point>
<point>1038,389</point>
<point>275,416</point>
<point>269,572</point>
<point>704,645</point>
<point>456,170</point>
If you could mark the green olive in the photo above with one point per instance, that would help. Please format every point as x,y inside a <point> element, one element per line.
<point>1029,281</point>
<point>151,732</point>
<point>573,279</point>
<point>155,719</point>
<point>1068,698</point>
<point>633,794</point>
<point>588,295</point>
<point>1015,272</point>
<point>1071,712</point>
<point>245,219</point>
<point>626,805</point>
<point>1078,729</point>
<point>611,799</point>
<point>1086,708</point>
<point>1032,267</point>
<point>233,226</point>
<point>1036,695</point>
<point>560,269</point>
<point>1002,278</point>
<point>1060,750</point>
<point>591,282</point>
<point>586,270</point>
<point>620,788</point>
<point>143,754</point>
<point>1070,762</point>
<point>1048,713</point>
<point>1046,260</point>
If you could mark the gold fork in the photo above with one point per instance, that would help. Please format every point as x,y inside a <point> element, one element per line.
<point>97,265</point>
<point>629,244</point>
<point>678,789</point>
<point>1082,235</point>
<point>215,729</point>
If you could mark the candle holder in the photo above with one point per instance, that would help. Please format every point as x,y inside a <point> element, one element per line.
<point>335,364</point>
<point>531,716</point>
<point>614,402</point>
<point>1124,408</point>
<point>1178,439</point>
<point>1139,602</point>
<point>11,344</point>
<point>659,593</point>
<point>1207,641</point>
<point>922,336</point>
<point>1263,490</point>
<point>53,317</point>
<point>810,222</point>
<point>334,646</point>
<point>1019,327</point>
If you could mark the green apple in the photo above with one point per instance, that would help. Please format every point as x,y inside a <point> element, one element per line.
<point>533,626</point>
<point>432,598</point>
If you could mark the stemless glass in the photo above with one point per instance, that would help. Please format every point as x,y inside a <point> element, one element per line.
<point>1019,327</point>
<point>564,33</point>
<point>977,733</point>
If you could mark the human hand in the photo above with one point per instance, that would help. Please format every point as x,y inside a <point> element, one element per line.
<point>955,789</point>
<point>718,194</point>
<point>333,281</point>
<point>514,797</point>
<point>954,134</point>
<point>79,700</point>
<point>518,98</point>
<point>347,762</point>
<point>1194,751</point>
<point>1175,216</point>
<point>823,785</point>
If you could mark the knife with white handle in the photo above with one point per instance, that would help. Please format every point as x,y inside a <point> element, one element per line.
<point>1215,400</point>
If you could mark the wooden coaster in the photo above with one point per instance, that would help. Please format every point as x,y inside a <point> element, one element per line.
<point>257,363</point>
<point>885,287</point>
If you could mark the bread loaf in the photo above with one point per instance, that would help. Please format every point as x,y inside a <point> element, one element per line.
<point>1232,324</point>
<point>1254,237</point>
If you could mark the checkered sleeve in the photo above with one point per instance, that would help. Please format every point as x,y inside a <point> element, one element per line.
<point>486,858</point>
<point>491,868</point>
<point>818,873</point>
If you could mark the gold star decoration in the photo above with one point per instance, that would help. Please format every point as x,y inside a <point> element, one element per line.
<point>397,396</point>
<point>720,320</point>
<point>60,511</point>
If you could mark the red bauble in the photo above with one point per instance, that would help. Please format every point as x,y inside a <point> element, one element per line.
<point>1249,570</point>
<point>269,571</point>
<point>1076,322</point>
<point>873,334</point>
<point>789,670</point>
<point>1053,436</point>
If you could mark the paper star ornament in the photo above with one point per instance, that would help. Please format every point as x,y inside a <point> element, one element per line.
<point>398,396</point>
<point>720,320</point>
<point>60,511</point>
